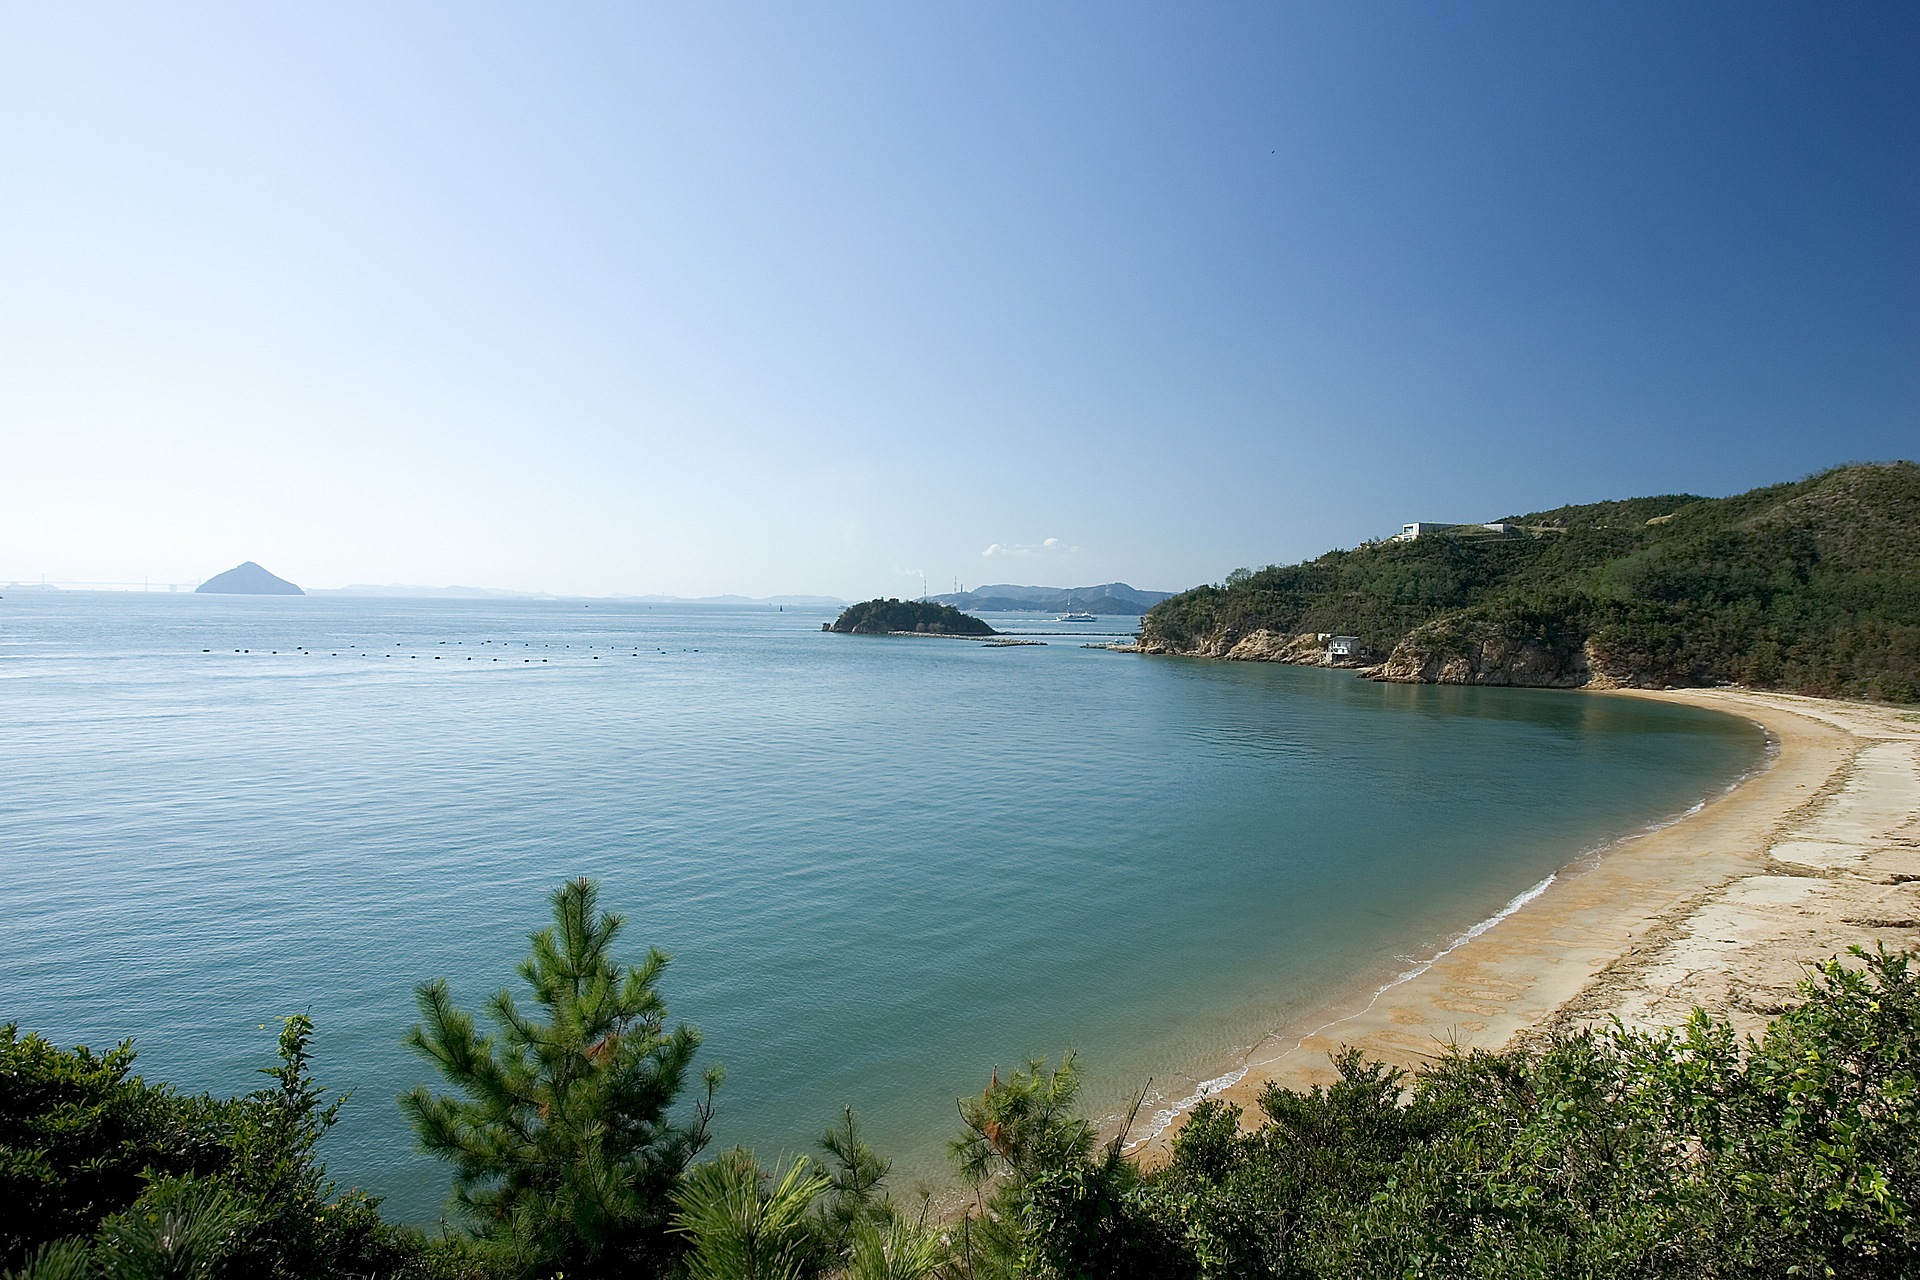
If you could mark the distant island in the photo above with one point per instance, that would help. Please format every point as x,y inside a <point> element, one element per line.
<point>247,579</point>
<point>1811,587</point>
<point>921,617</point>
<point>1108,598</point>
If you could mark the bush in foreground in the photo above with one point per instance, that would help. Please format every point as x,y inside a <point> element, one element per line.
<point>1680,1153</point>
<point>1676,1153</point>
<point>105,1175</point>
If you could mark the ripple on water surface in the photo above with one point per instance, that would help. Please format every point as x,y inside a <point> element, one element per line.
<point>882,866</point>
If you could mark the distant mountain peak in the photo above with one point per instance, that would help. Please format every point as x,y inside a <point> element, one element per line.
<point>247,579</point>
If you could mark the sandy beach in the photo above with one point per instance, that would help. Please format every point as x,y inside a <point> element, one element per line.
<point>1816,852</point>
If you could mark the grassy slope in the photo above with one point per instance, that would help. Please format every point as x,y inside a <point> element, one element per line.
<point>1812,587</point>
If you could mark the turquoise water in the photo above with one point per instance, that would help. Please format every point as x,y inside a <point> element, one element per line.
<point>883,866</point>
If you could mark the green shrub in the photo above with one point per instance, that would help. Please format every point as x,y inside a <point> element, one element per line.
<point>77,1134</point>
<point>1678,1153</point>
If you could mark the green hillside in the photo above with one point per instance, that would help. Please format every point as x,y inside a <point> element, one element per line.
<point>1810,587</point>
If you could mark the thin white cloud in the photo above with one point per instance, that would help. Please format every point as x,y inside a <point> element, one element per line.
<point>1052,546</point>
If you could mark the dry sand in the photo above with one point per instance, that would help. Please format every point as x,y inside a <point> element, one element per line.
<point>1722,910</point>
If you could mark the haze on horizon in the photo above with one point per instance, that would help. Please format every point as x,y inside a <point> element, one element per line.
<point>776,298</point>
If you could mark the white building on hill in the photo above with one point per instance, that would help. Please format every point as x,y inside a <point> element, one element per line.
<point>1427,528</point>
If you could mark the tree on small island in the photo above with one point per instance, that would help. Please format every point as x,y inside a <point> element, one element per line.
<point>880,617</point>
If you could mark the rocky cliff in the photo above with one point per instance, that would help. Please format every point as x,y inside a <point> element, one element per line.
<point>1307,649</point>
<point>1488,652</point>
<point>1485,654</point>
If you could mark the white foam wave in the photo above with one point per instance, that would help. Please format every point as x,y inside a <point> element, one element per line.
<point>1164,1117</point>
<point>1157,1123</point>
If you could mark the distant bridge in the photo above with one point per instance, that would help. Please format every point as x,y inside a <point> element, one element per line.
<point>74,584</point>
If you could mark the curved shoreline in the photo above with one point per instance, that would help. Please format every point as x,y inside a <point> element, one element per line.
<point>1722,908</point>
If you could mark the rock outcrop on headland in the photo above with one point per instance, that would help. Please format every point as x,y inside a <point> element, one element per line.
<point>1487,655</point>
<point>1308,649</point>
<point>1811,587</point>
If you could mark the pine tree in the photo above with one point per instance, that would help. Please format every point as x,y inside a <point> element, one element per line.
<point>744,1230</point>
<point>1023,1125</point>
<point>562,1150</point>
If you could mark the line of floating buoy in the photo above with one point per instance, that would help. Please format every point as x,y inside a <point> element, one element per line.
<point>354,650</point>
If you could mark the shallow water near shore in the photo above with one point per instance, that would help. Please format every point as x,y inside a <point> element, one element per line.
<point>882,866</point>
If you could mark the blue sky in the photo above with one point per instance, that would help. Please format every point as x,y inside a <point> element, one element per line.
<point>812,298</point>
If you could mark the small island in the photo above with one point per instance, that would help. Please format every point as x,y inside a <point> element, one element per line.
<point>913,617</point>
<point>247,579</point>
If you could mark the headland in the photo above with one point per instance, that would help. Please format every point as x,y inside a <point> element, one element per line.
<point>1810,587</point>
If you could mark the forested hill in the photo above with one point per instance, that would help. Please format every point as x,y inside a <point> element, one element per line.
<point>882,617</point>
<point>1810,587</point>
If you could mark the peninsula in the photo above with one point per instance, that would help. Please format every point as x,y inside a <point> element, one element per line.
<point>911,617</point>
<point>1811,587</point>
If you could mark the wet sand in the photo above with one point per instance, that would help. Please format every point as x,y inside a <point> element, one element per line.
<point>1818,851</point>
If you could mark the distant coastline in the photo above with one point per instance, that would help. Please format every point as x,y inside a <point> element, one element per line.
<point>1107,599</point>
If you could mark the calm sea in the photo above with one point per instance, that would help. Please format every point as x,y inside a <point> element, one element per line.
<point>882,866</point>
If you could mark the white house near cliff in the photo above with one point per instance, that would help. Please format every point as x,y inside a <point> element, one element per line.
<point>1425,528</point>
<point>1343,646</point>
